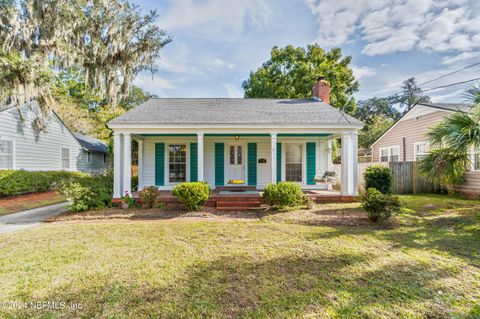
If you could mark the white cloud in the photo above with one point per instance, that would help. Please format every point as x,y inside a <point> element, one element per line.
<point>154,84</point>
<point>388,26</point>
<point>232,90</point>
<point>216,16</point>
<point>361,72</point>
<point>219,63</point>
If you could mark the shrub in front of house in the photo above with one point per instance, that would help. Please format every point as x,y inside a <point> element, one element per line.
<point>17,182</point>
<point>379,177</point>
<point>89,192</point>
<point>379,206</point>
<point>193,195</point>
<point>149,196</point>
<point>283,194</point>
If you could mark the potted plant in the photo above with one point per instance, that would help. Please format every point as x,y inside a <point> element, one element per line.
<point>127,200</point>
<point>329,177</point>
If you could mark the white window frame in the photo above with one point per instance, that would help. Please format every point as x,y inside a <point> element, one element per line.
<point>13,151</point>
<point>304,157</point>
<point>474,153</point>
<point>69,158</point>
<point>89,156</point>
<point>389,148</point>
<point>187,162</point>
<point>415,148</point>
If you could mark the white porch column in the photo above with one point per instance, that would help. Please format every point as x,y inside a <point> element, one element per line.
<point>347,164</point>
<point>140,164</point>
<point>330,156</point>
<point>274,157</point>
<point>127,163</point>
<point>200,156</point>
<point>117,165</point>
<point>355,163</point>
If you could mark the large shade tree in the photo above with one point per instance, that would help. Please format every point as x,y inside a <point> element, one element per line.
<point>451,142</point>
<point>107,41</point>
<point>291,72</point>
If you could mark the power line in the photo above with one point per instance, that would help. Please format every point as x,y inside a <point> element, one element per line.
<point>451,73</point>
<point>451,84</point>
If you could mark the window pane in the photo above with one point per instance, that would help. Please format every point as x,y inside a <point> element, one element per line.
<point>394,151</point>
<point>65,158</point>
<point>6,147</point>
<point>394,158</point>
<point>293,153</point>
<point>178,163</point>
<point>384,159</point>
<point>293,162</point>
<point>239,155</point>
<point>293,172</point>
<point>232,155</point>
<point>6,161</point>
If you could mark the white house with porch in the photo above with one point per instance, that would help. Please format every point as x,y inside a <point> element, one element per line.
<point>235,142</point>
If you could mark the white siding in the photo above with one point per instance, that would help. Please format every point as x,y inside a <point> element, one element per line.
<point>263,152</point>
<point>40,151</point>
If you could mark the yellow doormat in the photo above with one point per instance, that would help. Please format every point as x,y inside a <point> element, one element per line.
<point>236,181</point>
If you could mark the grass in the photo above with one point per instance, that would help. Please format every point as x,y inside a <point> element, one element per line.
<point>424,264</point>
<point>18,204</point>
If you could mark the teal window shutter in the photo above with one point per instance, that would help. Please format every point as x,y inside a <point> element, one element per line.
<point>193,162</point>
<point>219,164</point>
<point>279,162</point>
<point>311,163</point>
<point>252,164</point>
<point>160,164</point>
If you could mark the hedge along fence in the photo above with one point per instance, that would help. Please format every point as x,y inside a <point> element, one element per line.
<point>13,182</point>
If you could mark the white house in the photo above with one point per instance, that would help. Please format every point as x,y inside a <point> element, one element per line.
<point>232,142</point>
<point>54,147</point>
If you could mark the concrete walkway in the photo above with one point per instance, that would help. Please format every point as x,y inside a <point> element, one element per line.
<point>29,218</point>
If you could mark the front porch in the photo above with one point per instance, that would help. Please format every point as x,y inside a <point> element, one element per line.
<point>236,159</point>
<point>247,198</point>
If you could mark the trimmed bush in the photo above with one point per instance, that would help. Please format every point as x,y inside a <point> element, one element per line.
<point>148,196</point>
<point>192,195</point>
<point>379,206</point>
<point>283,194</point>
<point>89,192</point>
<point>379,177</point>
<point>13,182</point>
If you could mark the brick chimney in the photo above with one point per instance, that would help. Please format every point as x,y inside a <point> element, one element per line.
<point>321,90</point>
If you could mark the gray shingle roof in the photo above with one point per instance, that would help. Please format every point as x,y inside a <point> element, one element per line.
<point>91,143</point>
<point>235,111</point>
<point>449,106</point>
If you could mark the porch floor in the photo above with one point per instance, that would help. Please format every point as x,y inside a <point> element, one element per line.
<point>225,199</point>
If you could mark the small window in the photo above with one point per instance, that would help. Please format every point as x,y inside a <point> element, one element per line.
<point>89,157</point>
<point>177,163</point>
<point>65,158</point>
<point>105,158</point>
<point>420,150</point>
<point>390,154</point>
<point>6,154</point>
<point>236,155</point>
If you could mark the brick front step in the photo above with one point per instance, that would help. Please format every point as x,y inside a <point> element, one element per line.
<point>237,208</point>
<point>244,198</point>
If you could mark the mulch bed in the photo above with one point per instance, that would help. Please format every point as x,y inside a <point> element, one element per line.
<point>10,203</point>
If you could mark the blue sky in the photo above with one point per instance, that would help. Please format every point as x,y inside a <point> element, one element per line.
<point>216,43</point>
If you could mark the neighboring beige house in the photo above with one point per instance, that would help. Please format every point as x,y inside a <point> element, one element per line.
<point>407,140</point>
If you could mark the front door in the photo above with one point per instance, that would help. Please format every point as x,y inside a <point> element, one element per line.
<point>236,164</point>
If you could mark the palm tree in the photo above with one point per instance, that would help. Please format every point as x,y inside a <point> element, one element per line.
<point>451,142</point>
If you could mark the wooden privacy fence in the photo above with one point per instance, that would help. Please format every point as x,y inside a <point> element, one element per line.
<point>406,179</point>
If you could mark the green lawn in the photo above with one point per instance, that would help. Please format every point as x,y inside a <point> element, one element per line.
<point>423,264</point>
